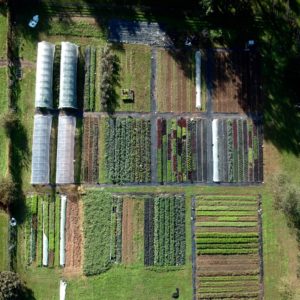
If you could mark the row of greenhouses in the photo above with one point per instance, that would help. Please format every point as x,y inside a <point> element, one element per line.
<point>41,149</point>
<point>68,75</point>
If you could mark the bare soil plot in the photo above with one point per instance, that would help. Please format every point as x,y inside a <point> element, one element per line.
<point>132,231</point>
<point>236,81</point>
<point>90,165</point>
<point>175,82</point>
<point>74,237</point>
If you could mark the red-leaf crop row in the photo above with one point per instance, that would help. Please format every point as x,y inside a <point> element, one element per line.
<point>181,150</point>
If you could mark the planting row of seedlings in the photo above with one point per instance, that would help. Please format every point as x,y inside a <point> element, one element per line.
<point>90,159</point>
<point>45,230</point>
<point>237,150</point>
<point>102,231</point>
<point>90,78</point>
<point>181,150</point>
<point>227,247</point>
<point>127,150</point>
<point>164,230</point>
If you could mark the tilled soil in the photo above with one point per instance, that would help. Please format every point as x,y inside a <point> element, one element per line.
<point>74,236</point>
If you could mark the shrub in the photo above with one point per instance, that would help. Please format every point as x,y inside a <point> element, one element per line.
<point>9,122</point>
<point>8,192</point>
<point>11,286</point>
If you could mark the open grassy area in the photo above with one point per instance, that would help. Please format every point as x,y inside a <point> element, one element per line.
<point>3,241</point>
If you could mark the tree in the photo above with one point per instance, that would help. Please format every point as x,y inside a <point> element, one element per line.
<point>109,79</point>
<point>9,122</point>
<point>11,286</point>
<point>8,193</point>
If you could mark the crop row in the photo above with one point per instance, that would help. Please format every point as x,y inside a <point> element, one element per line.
<point>42,230</point>
<point>89,78</point>
<point>102,231</point>
<point>181,150</point>
<point>165,230</point>
<point>90,160</point>
<point>239,150</point>
<point>127,150</point>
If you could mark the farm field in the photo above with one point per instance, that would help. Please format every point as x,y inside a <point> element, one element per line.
<point>116,150</point>
<point>42,231</point>
<point>182,150</point>
<point>176,88</point>
<point>227,242</point>
<point>133,230</point>
<point>236,81</point>
<point>165,231</point>
<point>133,73</point>
<point>74,236</point>
<point>240,155</point>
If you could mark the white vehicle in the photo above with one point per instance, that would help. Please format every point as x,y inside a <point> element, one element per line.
<point>34,21</point>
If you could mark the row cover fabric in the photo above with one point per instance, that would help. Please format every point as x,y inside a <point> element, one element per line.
<point>44,75</point>
<point>62,230</point>
<point>45,240</point>
<point>40,169</point>
<point>198,79</point>
<point>215,138</point>
<point>65,150</point>
<point>68,75</point>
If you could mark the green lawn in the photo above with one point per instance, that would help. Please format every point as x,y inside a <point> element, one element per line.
<point>3,36</point>
<point>132,283</point>
<point>3,241</point>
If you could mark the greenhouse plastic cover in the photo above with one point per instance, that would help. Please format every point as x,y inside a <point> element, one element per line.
<point>44,75</point>
<point>41,149</point>
<point>68,75</point>
<point>65,150</point>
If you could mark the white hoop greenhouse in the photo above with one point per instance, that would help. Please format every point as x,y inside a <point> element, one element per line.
<point>65,150</point>
<point>68,75</point>
<point>41,149</point>
<point>44,75</point>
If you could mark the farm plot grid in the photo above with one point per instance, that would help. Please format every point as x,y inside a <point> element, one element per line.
<point>236,81</point>
<point>227,239</point>
<point>239,150</point>
<point>182,150</point>
<point>175,82</point>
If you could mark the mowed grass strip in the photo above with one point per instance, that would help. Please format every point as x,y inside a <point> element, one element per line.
<point>227,251</point>
<point>3,241</point>
<point>228,197</point>
<point>238,240</point>
<point>226,234</point>
<point>228,283</point>
<point>227,202</point>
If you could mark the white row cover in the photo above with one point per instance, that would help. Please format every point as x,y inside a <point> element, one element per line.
<point>62,230</point>
<point>198,79</point>
<point>68,75</point>
<point>62,290</point>
<point>45,238</point>
<point>44,75</point>
<point>215,137</point>
<point>65,150</point>
<point>40,170</point>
